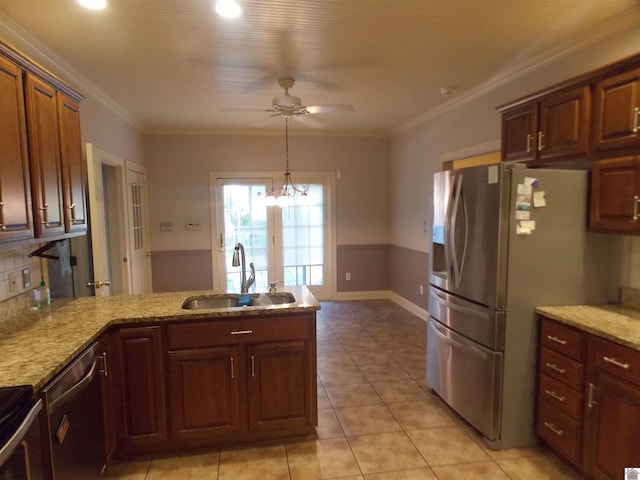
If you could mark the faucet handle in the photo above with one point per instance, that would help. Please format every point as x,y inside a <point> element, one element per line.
<point>272,285</point>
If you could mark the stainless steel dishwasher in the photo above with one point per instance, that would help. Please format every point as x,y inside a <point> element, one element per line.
<point>75,420</point>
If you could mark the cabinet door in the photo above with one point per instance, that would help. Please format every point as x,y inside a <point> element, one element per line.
<point>614,425</point>
<point>44,152</point>
<point>617,111</point>
<point>106,360</point>
<point>73,183</point>
<point>15,193</point>
<point>615,194</point>
<point>564,123</point>
<point>519,133</point>
<point>140,408</point>
<point>282,385</point>
<point>203,392</point>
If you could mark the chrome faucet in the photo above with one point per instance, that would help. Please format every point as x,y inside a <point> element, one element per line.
<point>238,260</point>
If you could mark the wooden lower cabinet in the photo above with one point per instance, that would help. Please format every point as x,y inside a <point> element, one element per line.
<point>139,389</point>
<point>204,392</point>
<point>614,427</point>
<point>227,381</point>
<point>593,418</point>
<point>282,393</point>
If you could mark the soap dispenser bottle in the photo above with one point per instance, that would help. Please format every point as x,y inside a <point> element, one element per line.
<point>43,295</point>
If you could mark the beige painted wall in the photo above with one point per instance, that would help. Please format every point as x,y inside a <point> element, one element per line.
<point>179,165</point>
<point>416,153</point>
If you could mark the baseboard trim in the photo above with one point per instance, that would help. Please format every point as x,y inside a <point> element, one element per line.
<point>384,294</point>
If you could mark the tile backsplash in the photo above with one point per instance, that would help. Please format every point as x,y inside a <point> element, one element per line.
<point>12,262</point>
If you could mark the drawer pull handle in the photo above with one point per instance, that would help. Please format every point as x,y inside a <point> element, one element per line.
<point>233,372</point>
<point>617,363</point>
<point>241,332</point>
<point>553,394</point>
<point>557,340</point>
<point>552,366</point>
<point>592,401</point>
<point>554,429</point>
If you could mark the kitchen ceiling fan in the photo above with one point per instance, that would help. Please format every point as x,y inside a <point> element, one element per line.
<point>290,106</point>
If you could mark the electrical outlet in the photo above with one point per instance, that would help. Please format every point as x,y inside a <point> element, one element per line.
<point>13,285</point>
<point>348,276</point>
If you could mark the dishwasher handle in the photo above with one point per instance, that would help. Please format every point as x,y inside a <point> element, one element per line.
<point>75,389</point>
<point>16,439</point>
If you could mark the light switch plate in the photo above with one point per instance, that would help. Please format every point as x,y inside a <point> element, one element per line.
<point>26,278</point>
<point>13,286</point>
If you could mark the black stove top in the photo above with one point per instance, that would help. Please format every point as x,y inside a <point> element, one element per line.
<point>15,403</point>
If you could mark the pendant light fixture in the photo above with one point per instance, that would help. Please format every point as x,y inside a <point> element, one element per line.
<point>286,194</point>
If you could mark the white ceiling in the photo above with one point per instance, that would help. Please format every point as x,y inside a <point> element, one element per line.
<point>175,66</point>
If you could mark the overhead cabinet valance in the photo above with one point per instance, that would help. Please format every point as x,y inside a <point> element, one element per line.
<point>42,182</point>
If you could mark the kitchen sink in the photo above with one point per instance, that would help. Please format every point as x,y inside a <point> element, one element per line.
<point>232,300</point>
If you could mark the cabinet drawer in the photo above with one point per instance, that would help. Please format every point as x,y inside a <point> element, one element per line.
<point>239,330</point>
<point>561,396</point>
<point>559,430</point>
<point>563,339</point>
<point>562,368</point>
<point>617,359</point>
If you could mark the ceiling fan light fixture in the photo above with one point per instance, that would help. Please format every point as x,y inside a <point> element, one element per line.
<point>228,8</point>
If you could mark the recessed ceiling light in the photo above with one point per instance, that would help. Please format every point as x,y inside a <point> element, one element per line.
<point>228,8</point>
<point>93,4</point>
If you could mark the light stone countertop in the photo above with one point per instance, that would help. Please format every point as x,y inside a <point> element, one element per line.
<point>37,344</point>
<point>618,323</point>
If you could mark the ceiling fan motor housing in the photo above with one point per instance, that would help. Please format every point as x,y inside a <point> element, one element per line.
<point>286,101</point>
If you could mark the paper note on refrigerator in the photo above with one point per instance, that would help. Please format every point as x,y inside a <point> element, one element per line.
<point>531,181</point>
<point>523,229</point>
<point>525,189</point>
<point>539,199</point>
<point>522,215</point>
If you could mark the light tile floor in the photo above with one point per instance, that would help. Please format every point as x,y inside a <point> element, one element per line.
<point>377,419</point>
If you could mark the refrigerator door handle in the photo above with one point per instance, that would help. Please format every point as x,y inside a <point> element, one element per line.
<point>459,308</point>
<point>447,226</point>
<point>460,346</point>
<point>457,262</point>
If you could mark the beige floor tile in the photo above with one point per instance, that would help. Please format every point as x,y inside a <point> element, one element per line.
<point>323,400</point>
<point>446,446</point>
<point>384,373</point>
<point>413,474</point>
<point>193,467</point>
<point>340,376</point>
<point>366,419</point>
<point>321,459</point>
<point>352,395</point>
<point>400,391</point>
<point>538,467</point>
<point>264,463</point>
<point>420,414</point>
<point>385,452</point>
<point>471,471</point>
<point>368,356</point>
<point>328,424</point>
<point>359,342</point>
<point>335,359</point>
<point>136,470</point>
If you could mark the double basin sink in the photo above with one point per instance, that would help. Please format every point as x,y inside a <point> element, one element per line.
<point>236,300</point>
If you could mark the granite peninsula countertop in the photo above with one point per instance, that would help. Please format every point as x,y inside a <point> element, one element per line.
<point>37,344</point>
<point>618,323</point>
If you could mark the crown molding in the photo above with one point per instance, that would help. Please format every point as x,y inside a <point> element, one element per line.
<point>17,37</point>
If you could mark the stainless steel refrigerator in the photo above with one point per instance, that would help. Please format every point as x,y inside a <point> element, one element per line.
<point>505,240</point>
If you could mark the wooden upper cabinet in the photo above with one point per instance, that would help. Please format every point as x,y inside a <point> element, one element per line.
<point>615,195</point>
<point>44,153</point>
<point>617,111</point>
<point>519,132</point>
<point>73,184</point>
<point>564,123</point>
<point>15,192</point>
<point>556,126</point>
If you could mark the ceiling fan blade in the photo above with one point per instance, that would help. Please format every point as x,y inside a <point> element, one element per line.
<point>339,107</point>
